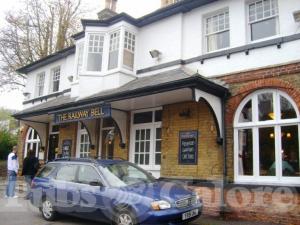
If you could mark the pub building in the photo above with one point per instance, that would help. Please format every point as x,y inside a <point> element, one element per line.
<point>202,92</point>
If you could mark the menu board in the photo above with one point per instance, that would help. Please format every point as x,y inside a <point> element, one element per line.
<point>66,148</point>
<point>188,147</point>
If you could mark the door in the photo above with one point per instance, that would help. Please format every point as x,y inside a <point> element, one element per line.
<point>67,190</point>
<point>92,194</point>
<point>53,144</point>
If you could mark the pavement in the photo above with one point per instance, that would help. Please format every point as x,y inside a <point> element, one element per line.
<point>20,212</point>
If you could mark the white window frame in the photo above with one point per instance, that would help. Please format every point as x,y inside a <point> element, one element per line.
<point>40,84</point>
<point>30,140</point>
<point>249,31</point>
<point>207,34</point>
<point>255,125</point>
<point>87,51</point>
<point>54,78</point>
<point>79,133</point>
<point>130,46</point>
<point>79,59</point>
<point>114,45</point>
<point>152,126</point>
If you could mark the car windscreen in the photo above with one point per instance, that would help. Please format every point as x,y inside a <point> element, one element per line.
<point>46,171</point>
<point>124,174</point>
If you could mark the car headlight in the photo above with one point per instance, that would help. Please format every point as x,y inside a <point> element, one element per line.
<point>160,205</point>
<point>198,198</point>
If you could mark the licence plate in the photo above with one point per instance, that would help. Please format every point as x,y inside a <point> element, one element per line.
<point>190,214</point>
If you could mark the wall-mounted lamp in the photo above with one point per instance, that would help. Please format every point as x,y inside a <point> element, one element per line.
<point>296,15</point>
<point>185,113</point>
<point>110,136</point>
<point>26,94</point>
<point>70,78</point>
<point>155,54</point>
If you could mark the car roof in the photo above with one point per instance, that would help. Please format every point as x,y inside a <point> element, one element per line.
<point>104,162</point>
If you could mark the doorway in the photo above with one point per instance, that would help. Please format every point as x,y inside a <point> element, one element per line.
<point>53,145</point>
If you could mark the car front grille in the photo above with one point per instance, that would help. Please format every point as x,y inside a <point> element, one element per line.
<point>186,202</point>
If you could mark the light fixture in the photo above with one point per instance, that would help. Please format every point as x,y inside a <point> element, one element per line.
<point>271,135</point>
<point>296,15</point>
<point>70,78</point>
<point>26,94</point>
<point>155,53</point>
<point>110,136</point>
<point>271,115</point>
<point>288,135</point>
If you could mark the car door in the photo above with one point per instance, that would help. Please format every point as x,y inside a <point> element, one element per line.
<point>92,194</point>
<point>67,190</point>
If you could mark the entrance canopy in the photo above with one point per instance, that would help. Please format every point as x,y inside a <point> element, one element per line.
<point>144,92</point>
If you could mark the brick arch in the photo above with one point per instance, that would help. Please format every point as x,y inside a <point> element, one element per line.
<point>250,87</point>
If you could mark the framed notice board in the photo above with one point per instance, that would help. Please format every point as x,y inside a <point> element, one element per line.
<point>66,148</point>
<point>188,147</point>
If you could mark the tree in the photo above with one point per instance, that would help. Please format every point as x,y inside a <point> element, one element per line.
<point>7,141</point>
<point>41,28</point>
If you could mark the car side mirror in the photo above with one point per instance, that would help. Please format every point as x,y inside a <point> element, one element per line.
<point>96,183</point>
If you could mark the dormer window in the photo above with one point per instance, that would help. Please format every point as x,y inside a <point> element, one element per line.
<point>95,52</point>
<point>40,84</point>
<point>114,50</point>
<point>129,47</point>
<point>55,79</point>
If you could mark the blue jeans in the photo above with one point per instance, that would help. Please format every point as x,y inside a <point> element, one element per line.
<point>28,179</point>
<point>12,178</point>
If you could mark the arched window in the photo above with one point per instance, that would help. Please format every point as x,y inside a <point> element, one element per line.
<point>32,142</point>
<point>266,138</point>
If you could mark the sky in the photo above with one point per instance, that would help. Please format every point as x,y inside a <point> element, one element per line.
<point>135,8</point>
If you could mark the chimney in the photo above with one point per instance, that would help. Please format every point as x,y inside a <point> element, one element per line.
<point>109,10</point>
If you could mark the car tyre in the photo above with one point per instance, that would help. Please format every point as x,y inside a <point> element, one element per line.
<point>47,210</point>
<point>125,217</point>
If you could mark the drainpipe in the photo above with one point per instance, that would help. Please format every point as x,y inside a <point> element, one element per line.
<point>224,148</point>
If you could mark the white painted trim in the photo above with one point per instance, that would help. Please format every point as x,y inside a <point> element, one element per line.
<point>277,123</point>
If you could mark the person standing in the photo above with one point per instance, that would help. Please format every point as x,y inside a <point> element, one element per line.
<point>30,168</point>
<point>12,171</point>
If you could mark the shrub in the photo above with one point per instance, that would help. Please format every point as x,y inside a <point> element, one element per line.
<point>7,141</point>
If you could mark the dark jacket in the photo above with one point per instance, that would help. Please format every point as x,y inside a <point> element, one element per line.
<point>30,166</point>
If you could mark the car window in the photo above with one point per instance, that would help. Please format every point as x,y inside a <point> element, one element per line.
<point>87,174</point>
<point>67,173</point>
<point>46,171</point>
<point>123,174</point>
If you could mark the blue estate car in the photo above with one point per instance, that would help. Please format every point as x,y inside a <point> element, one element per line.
<point>113,192</point>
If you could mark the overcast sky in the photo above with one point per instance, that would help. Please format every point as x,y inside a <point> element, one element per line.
<point>135,8</point>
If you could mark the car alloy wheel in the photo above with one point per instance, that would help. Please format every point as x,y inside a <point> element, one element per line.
<point>47,210</point>
<point>125,219</point>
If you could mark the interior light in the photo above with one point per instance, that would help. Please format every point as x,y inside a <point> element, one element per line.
<point>271,115</point>
<point>271,135</point>
<point>288,135</point>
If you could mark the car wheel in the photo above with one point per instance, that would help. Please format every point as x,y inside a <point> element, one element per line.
<point>47,210</point>
<point>125,218</point>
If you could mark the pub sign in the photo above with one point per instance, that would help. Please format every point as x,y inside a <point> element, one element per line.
<point>188,147</point>
<point>84,113</point>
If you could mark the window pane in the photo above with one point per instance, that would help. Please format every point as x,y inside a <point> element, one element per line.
<point>290,151</point>
<point>66,173</point>
<point>245,154</point>
<point>287,110</point>
<point>94,62</point>
<point>246,114</point>
<point>145,117</point>
<point>158,133</point>
<point>265,107</point>
<point>158,115</point>
<point>157,159</point>
<point>218,41</point>
<point>267,165</point>
<point>263,29</point>
<point>113,59</point>
<point>87,174</point>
